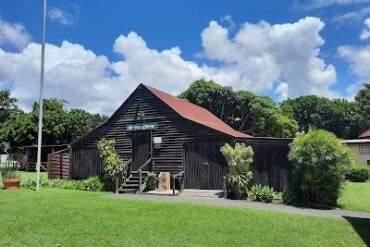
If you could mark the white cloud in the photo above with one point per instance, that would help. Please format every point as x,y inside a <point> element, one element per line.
<point>282,90</point>
<point>352,17</point>
<point>365,34</point>
<point>313,4</point>
<point>359,59</point>
<point>257,58</point>
<point>62,16</point>
<point>14,34</point>
<point>260,54</point>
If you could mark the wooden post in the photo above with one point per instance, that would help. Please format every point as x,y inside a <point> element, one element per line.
<point>225,187</point>
<point>117,185</point>
<point>61,165</point>
<point>139,181</point>
<point>173,186</point>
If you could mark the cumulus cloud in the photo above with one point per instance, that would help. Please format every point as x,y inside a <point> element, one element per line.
<point>62,16</point>
<point>258,57</point>
<point>260,54</point>
<point>359,59</point>
<point>365,34</point>
<point>13,34</point>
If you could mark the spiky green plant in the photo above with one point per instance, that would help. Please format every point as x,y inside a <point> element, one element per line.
<point>238,161</point>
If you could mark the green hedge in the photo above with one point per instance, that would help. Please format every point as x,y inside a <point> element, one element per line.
<point>90,184</point>
<point>359,174</point>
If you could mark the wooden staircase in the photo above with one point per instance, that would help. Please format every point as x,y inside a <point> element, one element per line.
<point>131,185</point>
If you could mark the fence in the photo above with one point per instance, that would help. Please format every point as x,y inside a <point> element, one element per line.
<point>58,165</point>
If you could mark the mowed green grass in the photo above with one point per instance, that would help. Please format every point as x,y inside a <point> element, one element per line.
<point>55,217</point>
<point>356,196</point>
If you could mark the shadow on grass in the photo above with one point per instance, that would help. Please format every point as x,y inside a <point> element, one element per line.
<point>362,227</point>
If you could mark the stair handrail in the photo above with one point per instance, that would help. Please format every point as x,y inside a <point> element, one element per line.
<point>141,187</point>
<point>129,166</point>
<point>174,177</point>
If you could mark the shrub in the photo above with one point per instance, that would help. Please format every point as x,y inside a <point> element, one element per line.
<point>359,174</point>
<point>261,193</point>
<point>238,163</point>
<point>288,197</point>
<point>90,184</point>
<point>319,165</point>
<point>151,181</point>
<point>8,169</point>
<point>114,167</point>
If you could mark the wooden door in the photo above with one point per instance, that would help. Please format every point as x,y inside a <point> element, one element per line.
<point>141,148</point>
<point>204,165</point>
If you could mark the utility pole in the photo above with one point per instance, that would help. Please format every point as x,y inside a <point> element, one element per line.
<point>41,100</point>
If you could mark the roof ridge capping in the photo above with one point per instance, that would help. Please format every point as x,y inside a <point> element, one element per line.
<point>195,113</point>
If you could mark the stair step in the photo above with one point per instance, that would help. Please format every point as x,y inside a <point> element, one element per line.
<point>128,190</point>
<point>130,186</point>
<point>142,172</point>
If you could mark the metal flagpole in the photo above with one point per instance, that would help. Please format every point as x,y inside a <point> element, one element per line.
<point>41,100</point>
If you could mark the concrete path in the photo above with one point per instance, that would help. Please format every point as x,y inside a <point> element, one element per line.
<point>209,199</point>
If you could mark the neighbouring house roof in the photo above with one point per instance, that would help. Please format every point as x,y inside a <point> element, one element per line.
<point>366,134</point>
<point>356,141</point>
<point>196,113</point>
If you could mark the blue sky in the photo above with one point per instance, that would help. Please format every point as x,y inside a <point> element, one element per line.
<point>326,57</point>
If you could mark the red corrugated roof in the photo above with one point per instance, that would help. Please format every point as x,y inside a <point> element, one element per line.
<point>196,113</point>
<point>366,134</point>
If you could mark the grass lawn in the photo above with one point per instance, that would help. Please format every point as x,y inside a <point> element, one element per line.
<point>356,196</point>
<point>55,217</point>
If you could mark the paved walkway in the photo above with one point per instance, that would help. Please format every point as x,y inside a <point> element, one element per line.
<point>210,199</point>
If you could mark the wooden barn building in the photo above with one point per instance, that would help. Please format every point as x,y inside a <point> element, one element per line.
<point>155,131</point>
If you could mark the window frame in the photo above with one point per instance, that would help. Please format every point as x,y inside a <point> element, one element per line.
<point>361,152</point>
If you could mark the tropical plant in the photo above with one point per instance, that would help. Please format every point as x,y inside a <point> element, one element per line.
<point>151,181</point>
<point>8,169</point>
<point>91,184</point>
<point>262,193</point>
<point>114,166</point>
<point>238,161</point>
<point>288,197</point>
<point>320,162</point>
<point>358,174</point>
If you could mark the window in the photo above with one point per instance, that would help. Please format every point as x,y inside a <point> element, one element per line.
<point>365,150</point>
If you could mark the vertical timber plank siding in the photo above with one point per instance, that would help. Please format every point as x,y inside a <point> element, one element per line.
<point>174,130</point>
<point>270,162</point>
<point>205,166</point>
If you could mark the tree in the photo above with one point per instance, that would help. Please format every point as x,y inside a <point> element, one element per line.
<point>338,116</point>
<point>363,101</point>
<point>54,120</point>
<point>59,126</point>
<point>243,99</point>
<point>320,162</point>
<point>77,123</point>
<point>97,119</point>
<point>217,99</point>
<point>238,161</point>
<point>243,110</point>
<point>7,106</point>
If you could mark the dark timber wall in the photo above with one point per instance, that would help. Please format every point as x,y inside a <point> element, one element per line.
<point>174,130</point>
<point>270,162</point>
